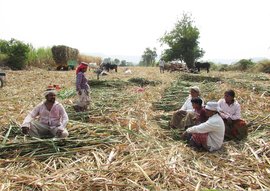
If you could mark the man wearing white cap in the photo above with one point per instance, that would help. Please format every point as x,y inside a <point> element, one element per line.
<point>52,119</point>
<point>184,116</point>
<point>210,134</point>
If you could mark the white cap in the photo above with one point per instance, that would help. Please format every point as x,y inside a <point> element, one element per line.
<point>213,106</point>
<point>195,88</point>
<point>49,91</point>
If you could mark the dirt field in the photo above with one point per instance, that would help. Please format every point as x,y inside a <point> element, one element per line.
<point>123,143</point>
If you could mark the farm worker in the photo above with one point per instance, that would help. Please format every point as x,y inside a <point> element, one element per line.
<point>127,71</point>
<point>199,111</point>
<point>183,117</point>
<point>236,128</point>
<point>161,66</point>
<point>82,88</point>
<point>209,135</point>
<point>52,118</point>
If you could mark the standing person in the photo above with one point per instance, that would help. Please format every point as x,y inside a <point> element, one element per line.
<point>52,118</point>
<point>236,128</point>
<point>179,119</point>
<point>161,66</point>
<point>209,135</point>
<point>82,88</point>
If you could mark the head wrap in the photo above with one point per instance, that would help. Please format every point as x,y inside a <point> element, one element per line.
<point>212,106</point>
<point>195,88</point>
<point>49,91</point>
<point>82,65</point>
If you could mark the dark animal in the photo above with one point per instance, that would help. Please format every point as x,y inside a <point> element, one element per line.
<point>109,66</point>
<point>2,78</point>
<point>202,65</point>
<point>62,68</point>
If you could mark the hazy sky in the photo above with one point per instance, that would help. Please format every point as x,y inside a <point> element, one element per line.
<point>229,29</point>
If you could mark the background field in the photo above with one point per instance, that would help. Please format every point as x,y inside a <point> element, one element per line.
<point>123,143</point>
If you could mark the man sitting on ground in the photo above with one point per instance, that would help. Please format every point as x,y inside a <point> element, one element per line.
<point>209,135</point>
<point>235,127</point>
<point>52,119</point>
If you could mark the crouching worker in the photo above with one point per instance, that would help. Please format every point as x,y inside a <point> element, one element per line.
<point>209,135</point>
<point>52,118</point>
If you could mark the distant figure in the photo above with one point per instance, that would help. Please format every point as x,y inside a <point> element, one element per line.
<point>82,88</point>
<point>127,71</point>
<point>101,71</point>
<point>52,118</point>
<point>161,66</point>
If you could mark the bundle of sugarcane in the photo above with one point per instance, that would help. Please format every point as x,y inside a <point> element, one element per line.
<point>199,78</point>
<point>143,82</point>
<point>66,93</point>
<point>251,86</point>
<point>82,137</point>
<point>108,83</point>
<point>173,96</point>
<point>61,54</point>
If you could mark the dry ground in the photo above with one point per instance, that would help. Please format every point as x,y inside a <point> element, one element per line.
<point>121,143</point>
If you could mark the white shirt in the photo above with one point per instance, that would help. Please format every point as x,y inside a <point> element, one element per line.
<point>161,63</point>
<point>215,128</point>
<point>57,117</point>
<point>187,106</point>
<point>232,111</point>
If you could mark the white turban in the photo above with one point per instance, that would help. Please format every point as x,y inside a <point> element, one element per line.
<point>195,88</point>
<point>49,91</point>
<point>212,106</point>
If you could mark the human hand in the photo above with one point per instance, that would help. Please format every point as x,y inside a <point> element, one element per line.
<point>59,132</point>
<point>184,136</point>
<point>25,130</point>
<point>80,92</point>
<point>229,121</point>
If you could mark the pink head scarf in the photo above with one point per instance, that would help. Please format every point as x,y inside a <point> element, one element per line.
<point>82,65</point>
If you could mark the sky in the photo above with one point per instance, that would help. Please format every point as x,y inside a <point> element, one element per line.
<point>229,29</point>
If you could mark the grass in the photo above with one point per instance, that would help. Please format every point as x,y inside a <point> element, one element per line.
<point>122,142</point>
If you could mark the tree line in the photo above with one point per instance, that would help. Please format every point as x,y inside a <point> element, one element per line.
<point>182,42</point>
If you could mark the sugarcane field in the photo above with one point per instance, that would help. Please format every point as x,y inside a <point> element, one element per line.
<point>123,142</point>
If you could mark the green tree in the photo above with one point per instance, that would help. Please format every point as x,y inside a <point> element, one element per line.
<point>41,57</point>
<point>123,63</point>
<point>182,42</point>
<point>149,57</point>
<point>116,61</point>
<point>107,60</point>
<point>17,53</point>
<point>244,64</point>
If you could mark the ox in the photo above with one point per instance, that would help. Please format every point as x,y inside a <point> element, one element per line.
<point>201,65</point>
<point>109,66</point>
